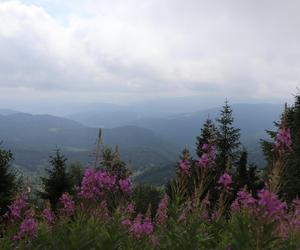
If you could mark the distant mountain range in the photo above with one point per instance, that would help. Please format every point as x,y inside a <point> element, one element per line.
<point>149,142</point>
<point>32,138</point>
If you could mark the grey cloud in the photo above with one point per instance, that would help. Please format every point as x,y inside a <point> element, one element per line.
<point>240,48</point>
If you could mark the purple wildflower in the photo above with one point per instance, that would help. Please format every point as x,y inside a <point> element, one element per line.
<point>28,228</point>
<point>126,222</point>
<point>283,141</point>
<point>94,183</point>
<point>162,211</point>
<point>125,186</point>
<point>184,167</point>
<point>270,204</point>
<point>225,181</point>
<point>16,207</point>
<point>207,159</point>
<point>141,228</point>
<point>131,208</point>
<point>48,216</point>
<point>243,200</point>
<point>68,205</point>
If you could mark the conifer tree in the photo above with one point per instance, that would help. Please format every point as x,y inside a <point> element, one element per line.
<point>58,181</point>
<point>228,141</point>
<point>112,163</point>
<point>8,180</point>
<point>241,171</point>
<point>75,173</point>
<point>208,135</point>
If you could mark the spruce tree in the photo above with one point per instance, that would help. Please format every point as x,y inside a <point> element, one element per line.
<point>8,180</point>
<point>241,171</point>
<point>228,141</point>
<point>208,135</point>
<point>112,163</point>
<point>58,181</point>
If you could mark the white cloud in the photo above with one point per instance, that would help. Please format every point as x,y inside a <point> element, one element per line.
<point>237,49</point>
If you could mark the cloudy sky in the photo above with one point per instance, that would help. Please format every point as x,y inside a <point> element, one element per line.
<point>128,50</point>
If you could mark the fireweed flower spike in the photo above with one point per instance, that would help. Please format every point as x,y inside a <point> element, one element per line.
<point>184,167</point>
<point>269,203</point>
<point>243,200</point>
<point>28,228</point>
<point>140,228</point>
<point>207,159</point>
<point>225,182</point>
<point>17,206</point>
<point>48,216</point>
<point>94,183</point>
<point>68,205</point>
<point>125,186</point>
<point>283,141</point>
<point>162,211</point>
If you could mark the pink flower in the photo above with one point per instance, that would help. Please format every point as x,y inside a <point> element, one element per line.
<point>141,228</point>
<point>269,203</point>
<point>162,211</point>
<point>126,222</point>
<point>28,228</point>
<point>243,200</point>
<point>95,183</point>
<point>283,141</point>
<point>131,208</point>
<point>148,226</point>
<point>125,186</point>
<point>225,181</point>
<point>104,180</point>
<point>48,216</point>
<point>207,159</point>
<point>68,205</point>
<point>184,167</point>
<point>16,207</point>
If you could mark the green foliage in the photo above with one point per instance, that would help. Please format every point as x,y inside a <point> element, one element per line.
<point>75,173</point>
<point>145,196</point>
<point>228,141</point>
<point>8,180</point>
<point>58,180</point>
<point>208,135</point>
<point>245,231</point>
<point>246,176</point>
<point>112,163</point>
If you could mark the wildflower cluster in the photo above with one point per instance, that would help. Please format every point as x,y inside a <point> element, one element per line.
<point>16,208</point>
<point>96,182</point>
<point>225,182</point>
<point>141,227</point>
<point>207,159</point>
<point>68,205</point>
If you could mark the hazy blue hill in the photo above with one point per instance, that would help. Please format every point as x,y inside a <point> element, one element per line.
<point>106,119</point>
<point>8,111</point>
<point>252,119</point>
<point>32,138</point>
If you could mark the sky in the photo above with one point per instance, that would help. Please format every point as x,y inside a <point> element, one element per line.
<point>124,51</point>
